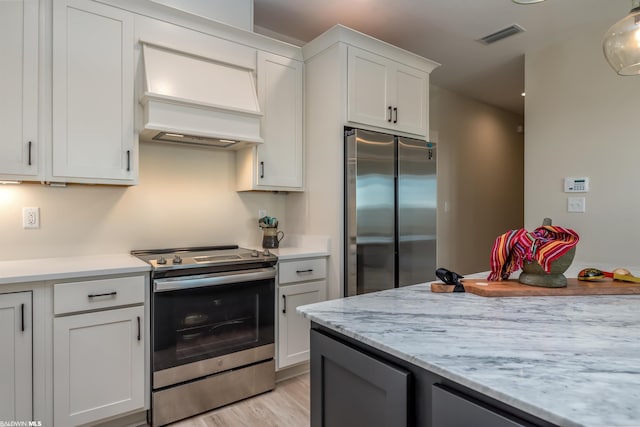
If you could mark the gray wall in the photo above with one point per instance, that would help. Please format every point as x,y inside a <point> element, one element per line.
<point>480,178</point>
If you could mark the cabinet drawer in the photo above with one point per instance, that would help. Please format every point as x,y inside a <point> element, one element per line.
<point>97,294</point>
<point>451,409</point>
<point>302,270</point>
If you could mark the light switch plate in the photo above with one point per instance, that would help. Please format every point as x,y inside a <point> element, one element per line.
<point>576,204</point>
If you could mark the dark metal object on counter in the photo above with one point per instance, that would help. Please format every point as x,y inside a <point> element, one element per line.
<point>450,278</point>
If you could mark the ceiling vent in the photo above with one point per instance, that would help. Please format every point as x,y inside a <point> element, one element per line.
<point>509,31</point>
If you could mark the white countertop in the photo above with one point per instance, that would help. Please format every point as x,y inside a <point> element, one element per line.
<point>284,254</point>
<point>571,360</point>
<point>33,270</point>
<point>299,246</point>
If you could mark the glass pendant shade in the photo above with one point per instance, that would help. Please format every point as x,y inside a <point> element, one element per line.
<point>622,43</point>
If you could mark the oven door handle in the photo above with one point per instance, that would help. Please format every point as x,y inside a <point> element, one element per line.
<point>215,279</point>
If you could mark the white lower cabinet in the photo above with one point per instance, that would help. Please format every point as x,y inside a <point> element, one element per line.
<point>16,396</point>
<point>301,282</point>
<point>98,357</point>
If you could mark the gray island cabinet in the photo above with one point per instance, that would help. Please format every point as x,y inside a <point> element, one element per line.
<point>355,385</point>
<point>409,357</point>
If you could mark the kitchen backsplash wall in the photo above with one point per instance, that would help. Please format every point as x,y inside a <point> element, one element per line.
<point>186,196</point>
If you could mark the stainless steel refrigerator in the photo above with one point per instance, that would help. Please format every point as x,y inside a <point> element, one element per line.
<point>390,211</point>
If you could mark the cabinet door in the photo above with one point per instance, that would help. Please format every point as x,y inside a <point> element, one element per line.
<point>352,388</point>
<point>279,159</point>
<point>93,133</point>
<point>369,98</point>
<point>293,328</point>
<point>19,89</point>
<point>411,109</point>
<point>98,365</point>
<point>451,409</point>
<point>15,358</point>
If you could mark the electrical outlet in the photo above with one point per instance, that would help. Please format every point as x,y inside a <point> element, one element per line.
<point>30,217</point>
<point>262,213</point>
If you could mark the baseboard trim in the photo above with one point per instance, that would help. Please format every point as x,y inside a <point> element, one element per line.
<point>292,371</point>
<point>131,420</point>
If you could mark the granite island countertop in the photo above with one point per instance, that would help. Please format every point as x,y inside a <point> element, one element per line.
<point>573,361</point>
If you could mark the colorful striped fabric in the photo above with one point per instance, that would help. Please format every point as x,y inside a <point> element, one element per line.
<point>545,245</point>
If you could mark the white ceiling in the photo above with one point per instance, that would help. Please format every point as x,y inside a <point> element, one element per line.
<point>445,31</point>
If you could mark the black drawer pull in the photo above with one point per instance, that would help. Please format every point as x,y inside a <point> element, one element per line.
<point>395,110</point>
<point>389,114</point>
<point>108,294</point>
<point>305,271</point>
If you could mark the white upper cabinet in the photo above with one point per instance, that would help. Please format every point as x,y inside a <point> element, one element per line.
<point>368,85</point>
<point>277,163</point>
<point>387,94</point>
<point>93,73</point>
<point>19,90</point>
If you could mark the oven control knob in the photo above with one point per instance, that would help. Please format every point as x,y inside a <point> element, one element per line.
<point>177,259</point>
<point>162,260</point>
<point>255,254</point>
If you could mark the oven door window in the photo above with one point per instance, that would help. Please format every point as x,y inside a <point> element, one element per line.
<point>201,323</point>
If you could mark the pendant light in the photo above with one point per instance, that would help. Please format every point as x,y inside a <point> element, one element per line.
<point>622,43</point>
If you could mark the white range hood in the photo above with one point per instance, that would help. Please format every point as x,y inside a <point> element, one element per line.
<point>194,100</point>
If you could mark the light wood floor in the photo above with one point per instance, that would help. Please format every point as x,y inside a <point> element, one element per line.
<point>286,406</point>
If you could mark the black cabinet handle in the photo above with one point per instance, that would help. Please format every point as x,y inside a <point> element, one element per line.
<point>108,294</point>
<point>284,302</point>
<point>138,328</point>
<point>389,114</point>
<point>29,162</point>
<point>128,160</point>
<point>22,317</point>
<point>305,271</point>
<point>261,169</point>
<point>395,110</point>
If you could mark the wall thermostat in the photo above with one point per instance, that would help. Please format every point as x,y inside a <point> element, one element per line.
<point>576,185</point>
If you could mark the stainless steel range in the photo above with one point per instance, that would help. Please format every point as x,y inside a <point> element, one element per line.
<point>212,328</point>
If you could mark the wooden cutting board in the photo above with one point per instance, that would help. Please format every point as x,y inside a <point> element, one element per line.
<point>512,288</point>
